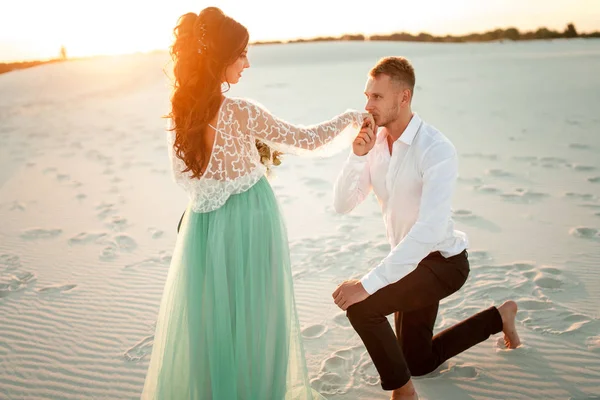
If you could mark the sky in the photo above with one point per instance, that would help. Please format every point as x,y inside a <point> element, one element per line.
<point>36,29</point>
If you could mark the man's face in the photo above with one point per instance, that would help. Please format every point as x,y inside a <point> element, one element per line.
<point>383,99</point>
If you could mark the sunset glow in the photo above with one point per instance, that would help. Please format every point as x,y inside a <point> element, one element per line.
<point>36,29</point>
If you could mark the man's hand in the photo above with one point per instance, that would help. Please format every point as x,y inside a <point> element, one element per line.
<point>349,293</point>
<point>365,140</point>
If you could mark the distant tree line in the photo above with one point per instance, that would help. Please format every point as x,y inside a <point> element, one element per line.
<point>495,35</point>
<point>7,67</point>
<point>512,34</point>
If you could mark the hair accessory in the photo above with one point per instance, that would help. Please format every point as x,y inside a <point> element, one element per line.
<point>202,40</point>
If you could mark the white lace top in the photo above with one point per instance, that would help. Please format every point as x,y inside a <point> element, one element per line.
<point>234,165</point>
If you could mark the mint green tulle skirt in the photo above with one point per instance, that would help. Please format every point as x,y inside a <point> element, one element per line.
<point>227,327</point>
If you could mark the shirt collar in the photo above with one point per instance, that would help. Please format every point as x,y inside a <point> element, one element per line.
<point>411,130</point>
<point>409,133</point>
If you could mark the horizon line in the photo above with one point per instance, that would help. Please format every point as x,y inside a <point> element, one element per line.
<point>305,39</point>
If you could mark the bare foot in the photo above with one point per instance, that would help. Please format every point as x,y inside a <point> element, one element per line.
<point>405,397</point>
<point>508,312</point>
<point>406,392</point>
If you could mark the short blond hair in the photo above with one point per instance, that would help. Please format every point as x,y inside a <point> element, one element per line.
<point>399,69</point>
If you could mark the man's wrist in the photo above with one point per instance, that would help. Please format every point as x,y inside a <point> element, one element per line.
<point>358,157</point>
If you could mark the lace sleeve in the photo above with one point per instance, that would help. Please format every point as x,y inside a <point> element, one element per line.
<point>322,139</point>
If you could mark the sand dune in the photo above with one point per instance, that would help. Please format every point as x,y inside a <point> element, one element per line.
<point>88,216</point>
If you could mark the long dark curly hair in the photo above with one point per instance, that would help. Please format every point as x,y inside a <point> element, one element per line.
<point>205,45</point>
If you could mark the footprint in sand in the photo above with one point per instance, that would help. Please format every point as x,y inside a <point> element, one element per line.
<point>18,206</point>
<point>580,196</point>
<point>479,256</point>
<point>464,215</point>
<point>40,233</point>
<point>117,224</point>
<point>458,371</point>
<point>481,156</point>
<point>367,372</point>
<point>524,196</point>
<point>87,238</point>
<point>469,218</point>
<point>15,283</point>
<point>317,183</point>
<point>56,288</point>
<point>314,331</point>
<point>555,160</point>
<point>542,315</point>
<point>156,233</point>
<point>591,206</point>
<point>585,233</point>
<point>125,243</point>
<point>164,258</point>
<point>95,155</point>
<point>552,162</point>
<point>10,261</point>
<point>105,209</point>
<point>346,228</point>
<point>525,158</point>
<point>579,146</point>
<point>110,252</point>
<point>499,173</point>
<point>557,322</point>
<point>491,189</point>
<point>140,349</point>
<point>470,181</point>
<point>533,304</point>
<point>545,281</point>
<point>338,371</point>
<point>62,177</point>
<point>121,243</point>
<point>532,287</point>
<point>593,343</point>
<point>583,168</point>
<point>341,320</point>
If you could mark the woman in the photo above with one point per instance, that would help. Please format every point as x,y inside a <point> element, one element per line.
<point>227,326</point>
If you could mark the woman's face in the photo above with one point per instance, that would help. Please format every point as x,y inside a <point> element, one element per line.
<point>233,73</point>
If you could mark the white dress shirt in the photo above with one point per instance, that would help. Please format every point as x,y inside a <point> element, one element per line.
<point>414,186</point>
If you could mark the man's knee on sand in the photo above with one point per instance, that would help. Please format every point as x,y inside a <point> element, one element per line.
<point>363,313</point>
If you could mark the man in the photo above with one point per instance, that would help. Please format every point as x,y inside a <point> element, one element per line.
<point>412,169</point>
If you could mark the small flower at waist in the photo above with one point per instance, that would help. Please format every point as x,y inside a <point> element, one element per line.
<point>268,156</point>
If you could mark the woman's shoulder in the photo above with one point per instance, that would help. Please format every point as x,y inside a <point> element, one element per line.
<point>244,103</point>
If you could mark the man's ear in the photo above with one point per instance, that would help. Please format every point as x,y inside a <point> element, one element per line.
<point>406,97</point>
